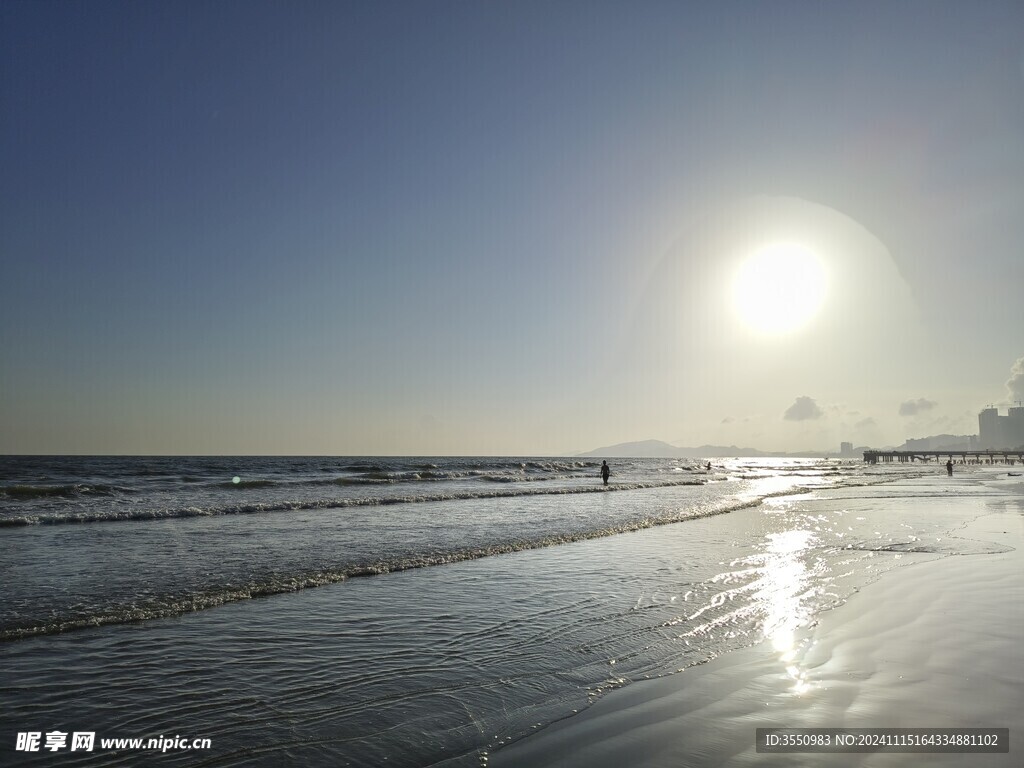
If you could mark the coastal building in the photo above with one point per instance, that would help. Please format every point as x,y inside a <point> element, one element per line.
<point>1015,427</point>
<point>995,431</point>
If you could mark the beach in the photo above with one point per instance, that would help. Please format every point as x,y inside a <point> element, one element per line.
<point>936,645</point>
<point>467,384</point>
<point>402,612</point>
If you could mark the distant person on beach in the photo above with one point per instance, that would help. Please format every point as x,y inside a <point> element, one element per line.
<point>605,471</point>
<point>949,467</point>
<point>709,466</point>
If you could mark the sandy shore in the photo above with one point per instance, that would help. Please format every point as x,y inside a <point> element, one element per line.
<point>936,645</point>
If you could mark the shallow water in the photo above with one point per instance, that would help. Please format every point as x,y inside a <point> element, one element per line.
<point>437,665</point>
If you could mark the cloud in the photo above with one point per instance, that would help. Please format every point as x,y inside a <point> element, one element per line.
<point>803,409</point>
<point>914,407</point>
<point>728,420</point>
<point>868,422</point>
<point>1015,384</point>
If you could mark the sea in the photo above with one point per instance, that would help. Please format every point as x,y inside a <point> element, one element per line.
<point>425,611</point>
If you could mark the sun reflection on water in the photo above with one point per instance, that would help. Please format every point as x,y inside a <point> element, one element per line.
<point>785,586</point>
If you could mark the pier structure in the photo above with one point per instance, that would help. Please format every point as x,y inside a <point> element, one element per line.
<point>993,456</point>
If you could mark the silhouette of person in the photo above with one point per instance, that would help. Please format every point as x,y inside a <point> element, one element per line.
<point>949,467</point>
<point>605,471</point>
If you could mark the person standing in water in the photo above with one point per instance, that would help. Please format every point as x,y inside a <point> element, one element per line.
<point>605,471</point>
<point>949,467</point>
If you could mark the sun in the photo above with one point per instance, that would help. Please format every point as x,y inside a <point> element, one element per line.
<point>779,288</point>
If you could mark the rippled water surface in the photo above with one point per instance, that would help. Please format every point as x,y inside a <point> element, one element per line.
<point>527,606</point>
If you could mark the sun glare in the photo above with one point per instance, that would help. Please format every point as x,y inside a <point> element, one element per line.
<point>779,289</point>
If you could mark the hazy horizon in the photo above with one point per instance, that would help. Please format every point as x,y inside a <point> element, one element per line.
<point>436,229</point>
<point>761,452</point>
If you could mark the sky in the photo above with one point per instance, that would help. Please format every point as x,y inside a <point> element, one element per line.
<point>505,228</point>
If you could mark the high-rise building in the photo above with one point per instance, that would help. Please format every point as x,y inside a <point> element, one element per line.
<point>989,432</point>
<point>999,432</point>
<point>1015,428</point>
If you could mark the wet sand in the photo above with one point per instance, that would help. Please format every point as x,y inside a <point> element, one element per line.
<point>935,644</point>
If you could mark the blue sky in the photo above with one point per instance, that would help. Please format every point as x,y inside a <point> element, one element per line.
<point>500,228</point>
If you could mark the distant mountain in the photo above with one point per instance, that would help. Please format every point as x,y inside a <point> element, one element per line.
<point>720,451</point>
<point>644,449</point>
<point>658,449</point>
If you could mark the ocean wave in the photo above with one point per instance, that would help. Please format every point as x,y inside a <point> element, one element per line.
<point>351,481</point>
<point>364,468</point>
<point>62,517</point>
<point>175,605</point>
<point>69,490</point>
<point>248,484</point>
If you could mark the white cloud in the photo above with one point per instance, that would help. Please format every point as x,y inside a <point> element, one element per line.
<point>803,409</point>
<point>1015,384</point>
<point>914,407</point>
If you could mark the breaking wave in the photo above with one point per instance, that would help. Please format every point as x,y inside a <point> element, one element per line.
<point>112,515</point>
